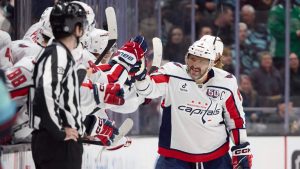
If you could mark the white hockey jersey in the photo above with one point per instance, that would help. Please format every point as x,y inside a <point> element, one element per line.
<point>19,81</point>
<point>196,119</point>
<point>18,49</point>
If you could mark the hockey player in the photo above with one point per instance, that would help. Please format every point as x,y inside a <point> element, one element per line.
<point>201,104</point>
<point>23,54</point>
<point>115,72</point>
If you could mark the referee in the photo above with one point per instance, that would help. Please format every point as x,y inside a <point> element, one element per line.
<point>56,107</point>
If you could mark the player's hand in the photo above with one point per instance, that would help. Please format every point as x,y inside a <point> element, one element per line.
<point>100,129</point>
<point>71,134</point>
<point>241,156</point>
<point>132,52</point>
<point>140,71</point>
<point>110,93</point>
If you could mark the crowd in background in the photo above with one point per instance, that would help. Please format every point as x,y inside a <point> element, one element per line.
<point>262,48</point>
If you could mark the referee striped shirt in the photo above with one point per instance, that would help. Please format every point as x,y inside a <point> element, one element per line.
<point>56,102</point>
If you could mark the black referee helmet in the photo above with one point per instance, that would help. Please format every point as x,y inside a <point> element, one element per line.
<point>65,17</point>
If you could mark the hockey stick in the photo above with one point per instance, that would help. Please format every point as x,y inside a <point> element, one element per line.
<point>112,31</point>
<point>123,130</point>
<point>157,54</point>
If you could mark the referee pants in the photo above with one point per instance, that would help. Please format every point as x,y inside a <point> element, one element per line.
<point>49,153</point>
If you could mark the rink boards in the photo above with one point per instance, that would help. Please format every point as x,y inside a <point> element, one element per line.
<point>269,152</point>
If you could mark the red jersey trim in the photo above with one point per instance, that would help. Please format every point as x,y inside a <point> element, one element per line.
<point>195,157</point>
<point>234,113</point>
<point>19,92</point>
<point>160,78</point>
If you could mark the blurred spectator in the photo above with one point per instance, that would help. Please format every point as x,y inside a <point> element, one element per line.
<point>223,23</point>
<point>294,79</point>
<point>227,61</point>
<point>248,57</point>
<point>7,112</point>
<point>258,35</point>
<point>148,27</point>
<point>166,25</point>
<point>248,16</point>
<point>262,8</point>
<point>207,7</point>
<point>276,24</point>
<point>180,13</point>
<point>204,30</point>
<point>261,5</point>
<point>268,82</point>
<point>176,47</point>
<point>250,97</point>
<point>5,39</point>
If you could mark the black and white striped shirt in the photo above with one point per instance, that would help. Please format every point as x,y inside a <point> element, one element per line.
<point>56,101</point>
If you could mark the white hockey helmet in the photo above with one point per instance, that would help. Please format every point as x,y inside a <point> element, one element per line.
<point>98,40</point>
<point>90,15</point>
<point>206,48</point>
<point>45,28</point>
<point>91,22</point>
<point>46,14</point>
<point>5,39</point>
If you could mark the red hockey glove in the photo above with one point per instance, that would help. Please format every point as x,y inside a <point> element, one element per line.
<point>241,156</point>
<point>110,93</point>
<point>100,129</point>
<point>132,52</point>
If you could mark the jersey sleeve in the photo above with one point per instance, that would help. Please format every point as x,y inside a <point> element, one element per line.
<point>5,58</point>
<point>234,114</point>
<point>19,79</point>
<point>153,86</point>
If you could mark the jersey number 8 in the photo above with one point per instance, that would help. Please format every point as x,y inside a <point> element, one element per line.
<point>16,77</point>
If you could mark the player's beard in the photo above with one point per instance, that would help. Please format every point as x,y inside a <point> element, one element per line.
<point>197,74</point>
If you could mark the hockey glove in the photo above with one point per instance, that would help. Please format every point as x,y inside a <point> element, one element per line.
<point>110,93</point>
<point>140,71</point>
<point>241,156</point>
<point>132,52</point>
<point>100,129</point>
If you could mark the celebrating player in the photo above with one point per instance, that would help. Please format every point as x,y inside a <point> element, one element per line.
<point>200,105</point>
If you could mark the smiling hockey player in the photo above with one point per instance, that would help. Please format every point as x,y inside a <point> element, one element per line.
<point>194,129</point>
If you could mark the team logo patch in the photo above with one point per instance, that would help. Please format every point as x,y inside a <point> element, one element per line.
<point>213,93</point>
<point>183,87</point>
